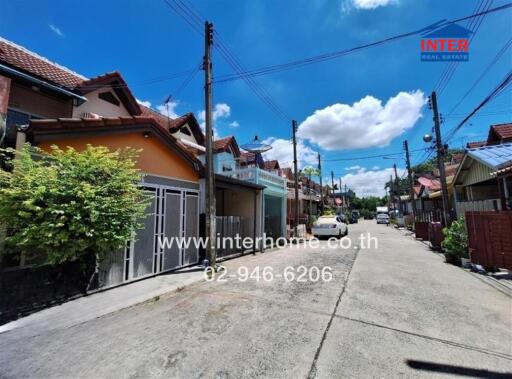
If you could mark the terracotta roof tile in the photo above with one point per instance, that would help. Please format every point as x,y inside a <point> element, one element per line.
<point>272,165</point>
<point>20,58</point>
<point>222,144</point>
<point>471,145</point>
<point>503,131</point>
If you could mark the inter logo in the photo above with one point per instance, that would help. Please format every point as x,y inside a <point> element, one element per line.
<point>445,43</point>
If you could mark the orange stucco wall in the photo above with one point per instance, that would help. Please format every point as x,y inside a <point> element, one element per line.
<point>155,157</point>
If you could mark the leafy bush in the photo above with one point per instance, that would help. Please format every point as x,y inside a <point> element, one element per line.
<point>328,211</point>
<point>455,244</point>
<point>69,204</point>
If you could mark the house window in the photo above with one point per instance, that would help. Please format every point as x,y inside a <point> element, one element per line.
<point>109,98</point>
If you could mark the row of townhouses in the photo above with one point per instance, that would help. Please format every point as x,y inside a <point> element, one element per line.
<point>43,103</point>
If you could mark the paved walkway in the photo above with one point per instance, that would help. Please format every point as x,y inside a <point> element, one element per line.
<point>394,311</point>
<point>406,313</point>
<point>99,304</point>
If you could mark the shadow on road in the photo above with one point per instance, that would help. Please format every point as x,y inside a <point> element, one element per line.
<point>457,370</point>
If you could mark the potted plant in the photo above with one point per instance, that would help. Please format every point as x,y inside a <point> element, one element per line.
<point>455,244</point>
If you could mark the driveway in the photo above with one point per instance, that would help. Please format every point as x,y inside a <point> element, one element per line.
<point>395,310</point>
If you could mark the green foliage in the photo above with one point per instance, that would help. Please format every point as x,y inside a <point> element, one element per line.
<point>455,244</point>
<point>310,171</point>
<point>369,203</point>
<point>68,204</point>
<point>312,219</point>
<point>366,214</point>
<point>328,211</point>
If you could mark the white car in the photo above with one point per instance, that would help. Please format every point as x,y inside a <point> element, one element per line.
<point>382,218</point>
<point>329,226</point>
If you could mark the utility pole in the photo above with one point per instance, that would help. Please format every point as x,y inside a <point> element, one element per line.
<point>391,190</point>
<point>210,175</point>
<point>296,177</point>
<point>345,196</point>
<point>332,183</point>
<point>440,158</point>
<point>409,175</point>
<point>321,187</point>
<point>342,205</point>
<point>397,190</point>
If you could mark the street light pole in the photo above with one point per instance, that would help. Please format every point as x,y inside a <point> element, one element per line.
<point>321,187</point>
<point>409,176</point>
<point>397,191</point>
<point>440,158</point>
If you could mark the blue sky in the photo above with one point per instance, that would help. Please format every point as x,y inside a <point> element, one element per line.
<point>147,40</point>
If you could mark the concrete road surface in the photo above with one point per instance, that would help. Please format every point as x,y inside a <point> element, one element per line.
<point>392,311</point>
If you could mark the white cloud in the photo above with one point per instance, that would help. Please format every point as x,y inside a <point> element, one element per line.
<point>368,183</point>
<point>234,124</point>
<point>352,168</point>
<point>144,102</point>
<point>375,168</point>
<point>220,110</point>
<point>366,123</point>
<point>282,150</point>
<point>168,109</point>
<point>56,30</point>
<point>372,4</point>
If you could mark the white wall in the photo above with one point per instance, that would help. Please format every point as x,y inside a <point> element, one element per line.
<point>101,107</point>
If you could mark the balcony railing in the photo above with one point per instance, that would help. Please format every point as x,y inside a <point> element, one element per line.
<point>259,176</point>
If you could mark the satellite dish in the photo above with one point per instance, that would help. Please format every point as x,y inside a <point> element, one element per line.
<point>256,146</point>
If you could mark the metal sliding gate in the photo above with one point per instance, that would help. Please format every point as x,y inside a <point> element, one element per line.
<point>172,218</point>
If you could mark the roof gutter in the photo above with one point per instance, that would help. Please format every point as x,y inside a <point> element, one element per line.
<point>19,74</point>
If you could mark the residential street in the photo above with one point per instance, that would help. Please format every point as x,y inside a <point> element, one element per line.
<point>394,311</point>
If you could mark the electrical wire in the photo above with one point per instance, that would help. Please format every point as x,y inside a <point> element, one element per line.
<point>473,25</point>
<point>193,18</point>
<point>499,89</point>
<point>496,58</point>
<point>370,156</point>
<point>336,54</point>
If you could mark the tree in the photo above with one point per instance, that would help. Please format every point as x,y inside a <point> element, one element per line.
<point>68,204</point>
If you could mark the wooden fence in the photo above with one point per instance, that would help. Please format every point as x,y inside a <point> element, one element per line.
<point>490,238</point>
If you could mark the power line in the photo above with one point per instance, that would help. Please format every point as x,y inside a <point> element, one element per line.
<point>332,55</point>
<point>500,88</point>
<point>370,156</point>
<point>193,18</point>
<point>473,25</point>
<point>496,58</point>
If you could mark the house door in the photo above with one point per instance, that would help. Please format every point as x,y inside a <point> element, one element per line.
<point>172,218</point>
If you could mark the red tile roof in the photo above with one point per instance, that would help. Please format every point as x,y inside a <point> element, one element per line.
<point>503,131</point>
<point>91,125</point>
<point>116,81</point>
<point>22,59</point>
<point>174,124</point>
<point>471,145</point>
<point>272,165</point>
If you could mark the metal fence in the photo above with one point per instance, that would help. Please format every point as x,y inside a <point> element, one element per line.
<point>228,227</point>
